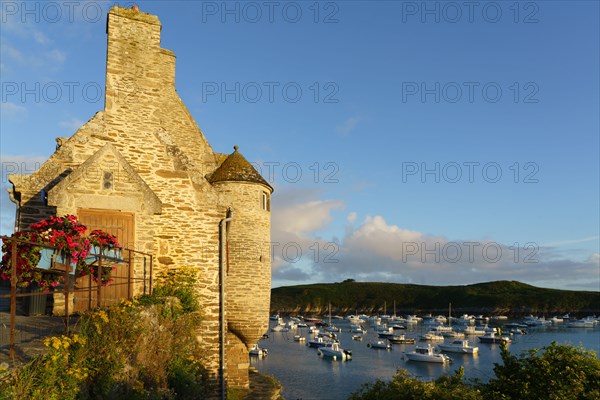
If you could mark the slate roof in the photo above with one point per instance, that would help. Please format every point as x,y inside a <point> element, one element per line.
<point>236,168</point>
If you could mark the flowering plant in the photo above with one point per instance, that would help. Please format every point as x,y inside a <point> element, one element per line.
<point>28,256</point>
<point>104,239</point>
<point>66,234</point>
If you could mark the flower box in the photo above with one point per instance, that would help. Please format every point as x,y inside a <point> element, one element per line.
<point>108,254</point>
<point>50,260</point>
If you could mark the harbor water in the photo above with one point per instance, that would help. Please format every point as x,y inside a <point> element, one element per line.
<point>304,375</point>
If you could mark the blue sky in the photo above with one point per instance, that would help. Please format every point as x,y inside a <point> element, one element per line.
<point>424,142</point>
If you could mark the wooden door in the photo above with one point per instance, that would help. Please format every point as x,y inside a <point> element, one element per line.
<point>122,226</point>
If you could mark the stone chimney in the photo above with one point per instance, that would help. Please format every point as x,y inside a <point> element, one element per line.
<point>137,68</point>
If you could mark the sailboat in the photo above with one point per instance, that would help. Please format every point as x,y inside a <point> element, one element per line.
<point>330,327</point>
<point>448,332</point>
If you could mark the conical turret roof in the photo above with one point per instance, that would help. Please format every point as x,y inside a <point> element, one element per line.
<point>236,168</point>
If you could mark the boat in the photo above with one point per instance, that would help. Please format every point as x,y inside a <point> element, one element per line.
<point>426,354</point>
<point>453,334</point>
<point>518,331</point>
<point>473,330</point>
<point>556,320</point>
<point>316,342</point>
<point>335,352</point>
<point>493,337</point>
<point>500,317</point>
<point>357,329</point>
<point>413,319</point>
<point>432,335</point>
<point>330,327</point>
<point>354,320</point>
<point>459,346</point>
<point>466,319</point>
<point>313,320</point>
<point>531,320</point>
<point>380,344</point>
<point>358,338</point>
<point>257,351</point>
<point>581,323</point>
<point>274,317</point>
<point>515,325</point>
<point>396,325</point>
<point>280,327</point>
<point>298,338</point>
<point>401,339</point>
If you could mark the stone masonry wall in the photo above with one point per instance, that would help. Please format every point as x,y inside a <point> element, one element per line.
<point>151,132</point>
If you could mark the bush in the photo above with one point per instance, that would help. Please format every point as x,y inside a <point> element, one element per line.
<point>129,351</point>
<point>556,372</point>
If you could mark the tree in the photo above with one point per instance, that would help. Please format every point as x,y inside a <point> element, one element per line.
<point>556,372</point>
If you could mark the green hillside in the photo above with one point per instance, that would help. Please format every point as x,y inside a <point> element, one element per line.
<point>500,297</point>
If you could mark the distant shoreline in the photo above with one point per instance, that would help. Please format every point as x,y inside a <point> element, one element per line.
<point>509,298</point>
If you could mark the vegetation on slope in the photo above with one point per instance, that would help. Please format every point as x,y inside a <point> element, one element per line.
<point>556,372</point>
<point>369,297</point>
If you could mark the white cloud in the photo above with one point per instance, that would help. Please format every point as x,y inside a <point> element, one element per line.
<point>571,241</point>
<point>347,126</point>
<point>304,218</point>
<point>378,251</point>
<point>72,124</point>
<point>9,109</point>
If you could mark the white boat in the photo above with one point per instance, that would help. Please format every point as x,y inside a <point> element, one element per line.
<point>317,342</point>
<point>358,338</point>
<point>257,351</point>
<point>517,331</point>
<point>466,319</point>
<point>298,338</point>
<point>459,346</point>
<point>494,337</point>
<point>432,335</point>
<point>556,320</point>
<point>413,319</point>
<point>426,354</point>
<point>354,320</point>
<point>536,321</point>
<point>279,328</point>
<point>401,339</point>
<point>335,352</point>
<point>274,317</point>
<point>453,334</point>
<point>357,329</point>
<point>500,317</point>
<point>330,327</point>
<point>581,323</point>
<point>473,330</point>
<point>380,344</point>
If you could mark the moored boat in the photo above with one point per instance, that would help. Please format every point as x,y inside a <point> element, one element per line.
<point>459,346</point>
<point>335,352</point>
<point>432,335</point>
<point>426,354</point>
<point>400,339</point>
<point>493,337</point>
<point>380,344</point>
<point>257,351</point>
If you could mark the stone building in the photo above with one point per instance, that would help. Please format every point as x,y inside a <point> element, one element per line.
<point>141,168</point>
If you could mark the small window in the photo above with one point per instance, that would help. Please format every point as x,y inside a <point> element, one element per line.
<point>107,180</point>
<point>265,201</point>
